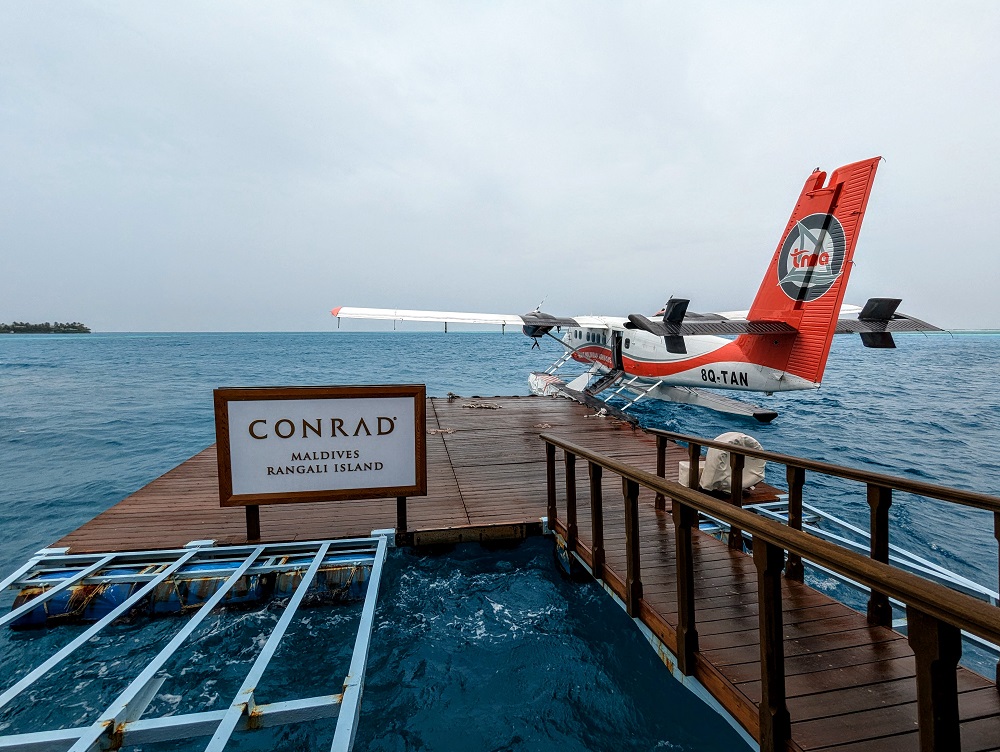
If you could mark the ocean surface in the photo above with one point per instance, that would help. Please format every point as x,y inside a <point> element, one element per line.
<point>476,649</point>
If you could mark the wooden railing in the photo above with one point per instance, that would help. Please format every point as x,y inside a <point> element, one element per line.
<point>935,614</point>
<point>879,490</point>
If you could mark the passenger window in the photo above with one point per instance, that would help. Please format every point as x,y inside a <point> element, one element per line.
<point>627,343</point>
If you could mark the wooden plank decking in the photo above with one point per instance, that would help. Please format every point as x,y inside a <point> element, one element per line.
<point>485,467</point>
<point>850,685</point>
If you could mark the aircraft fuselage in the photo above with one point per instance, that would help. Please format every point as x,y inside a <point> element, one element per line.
<point>709,363</point>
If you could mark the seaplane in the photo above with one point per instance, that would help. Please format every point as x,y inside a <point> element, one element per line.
<point>780,344</point>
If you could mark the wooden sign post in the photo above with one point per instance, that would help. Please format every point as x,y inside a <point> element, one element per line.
<point>281,445</point>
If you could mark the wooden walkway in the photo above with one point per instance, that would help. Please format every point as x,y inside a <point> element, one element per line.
<point>850,685</point>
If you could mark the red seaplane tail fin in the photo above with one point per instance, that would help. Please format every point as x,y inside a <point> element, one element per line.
<point>807,278</point>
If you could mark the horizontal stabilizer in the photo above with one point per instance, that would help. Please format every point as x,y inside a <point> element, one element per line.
<point>878,319</point>
<point>900,323</point>
<point>877,316</point>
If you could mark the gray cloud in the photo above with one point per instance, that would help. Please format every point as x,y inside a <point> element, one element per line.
<point>227,166</point>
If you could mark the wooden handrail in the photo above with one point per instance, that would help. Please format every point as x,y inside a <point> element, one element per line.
<point>920,488</point>
<point>958,609</point>
<point>935,614</point>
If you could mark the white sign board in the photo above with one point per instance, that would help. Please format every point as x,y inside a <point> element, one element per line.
<point>291,444</point>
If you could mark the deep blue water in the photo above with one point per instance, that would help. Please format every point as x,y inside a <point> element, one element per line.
<point>466,644</point>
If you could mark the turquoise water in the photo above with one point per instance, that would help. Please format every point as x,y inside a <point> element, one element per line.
<point>466,645</point>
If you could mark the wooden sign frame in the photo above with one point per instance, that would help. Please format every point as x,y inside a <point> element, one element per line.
<point>224,396</point>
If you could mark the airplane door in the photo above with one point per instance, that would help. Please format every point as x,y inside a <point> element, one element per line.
<point>616,350</point>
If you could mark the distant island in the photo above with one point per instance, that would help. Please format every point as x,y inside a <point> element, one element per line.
<point>23,327</point>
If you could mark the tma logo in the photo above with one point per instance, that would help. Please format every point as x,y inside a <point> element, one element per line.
<point>812,257</point>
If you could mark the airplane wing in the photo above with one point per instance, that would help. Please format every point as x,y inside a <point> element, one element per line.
<point>440,317</point>
<point>533,319</point>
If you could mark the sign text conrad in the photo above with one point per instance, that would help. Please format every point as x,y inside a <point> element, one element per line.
<point>287,428</point>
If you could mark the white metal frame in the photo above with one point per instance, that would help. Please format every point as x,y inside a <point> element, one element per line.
<point>899,556</point>
<point>119,724</point>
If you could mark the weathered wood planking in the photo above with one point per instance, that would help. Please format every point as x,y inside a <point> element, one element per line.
<point>850,686</point>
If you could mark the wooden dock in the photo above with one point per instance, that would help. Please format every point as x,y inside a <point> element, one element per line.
<point>485,467</point>
<point>850,686</point>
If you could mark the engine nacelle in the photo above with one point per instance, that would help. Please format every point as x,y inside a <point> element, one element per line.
<point>536,331</point>
<point>537,324</point>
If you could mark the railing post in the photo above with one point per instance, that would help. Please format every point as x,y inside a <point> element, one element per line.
<point>796,478</point>
<point>775,723</point>
<point>550,483</point>
<point>937,646</point>
<point>253,522</point>
<point>879,500</point>
<point>736,462</point>
<point>694,466</point>
<point>400,514</point>
<point>996,534</point>
<point>571,527</point>
<point>661,470</point>
<point>633,577</point>
<point>597,520</point>
<point>685,518</point>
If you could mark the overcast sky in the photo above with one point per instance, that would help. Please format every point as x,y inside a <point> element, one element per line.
<point>248,166</point>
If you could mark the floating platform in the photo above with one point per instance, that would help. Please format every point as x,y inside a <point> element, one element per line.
<point>850,685</point>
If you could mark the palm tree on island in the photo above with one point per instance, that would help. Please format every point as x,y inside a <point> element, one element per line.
<point>23,327</point>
